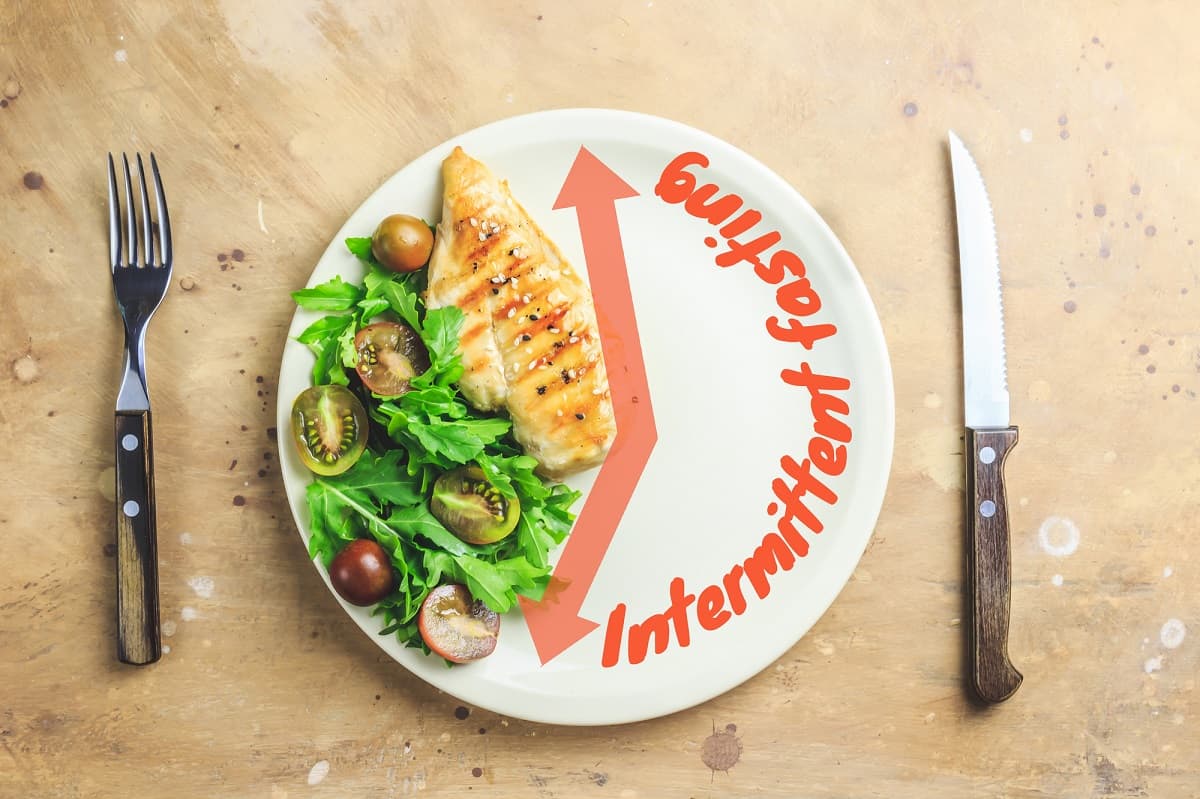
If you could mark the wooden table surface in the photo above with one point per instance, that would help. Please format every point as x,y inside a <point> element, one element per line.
<point>275,119</point>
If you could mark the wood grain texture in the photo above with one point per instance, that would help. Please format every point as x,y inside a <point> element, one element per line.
<point>138,639</point>
<point>990,672</point>
<point>1083,117</point>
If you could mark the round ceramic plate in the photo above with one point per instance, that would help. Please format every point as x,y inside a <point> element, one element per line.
<point>772,400</point>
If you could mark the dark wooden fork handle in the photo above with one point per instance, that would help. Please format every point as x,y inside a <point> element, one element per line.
<point>993,677</point>
<point>138,639</point>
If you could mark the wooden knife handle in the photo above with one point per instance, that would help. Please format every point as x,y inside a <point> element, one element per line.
<point>138,639</point>
<point>993,678</point>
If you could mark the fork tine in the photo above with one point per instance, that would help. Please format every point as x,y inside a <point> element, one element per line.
<point>147,243</point>
<point>130,217</point>
<point>164,221</point>
<point>114,217</point>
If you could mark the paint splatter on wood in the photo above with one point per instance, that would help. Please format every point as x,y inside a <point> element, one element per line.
<point>1172,633</point>
<point>318,772</point>
<point>721,750</point>
<point>1058,536</point>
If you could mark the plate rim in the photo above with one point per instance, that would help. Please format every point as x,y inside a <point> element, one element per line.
<point>870,327</point>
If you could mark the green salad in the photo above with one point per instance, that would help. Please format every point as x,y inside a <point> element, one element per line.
<point>402,460</point>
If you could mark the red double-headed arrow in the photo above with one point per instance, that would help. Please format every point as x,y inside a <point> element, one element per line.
<point>554,622</point>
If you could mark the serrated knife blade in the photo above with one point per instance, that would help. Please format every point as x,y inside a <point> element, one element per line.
<point>985,376</point>
<point>989,435</point>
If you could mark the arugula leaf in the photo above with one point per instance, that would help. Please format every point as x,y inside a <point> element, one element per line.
<point>323,328</point>
<point>556,513</point>
<point>418,520</point>
<point>523,576</point>
<point>347,354</point>
<point>440,334</point>
<point>486,583</point>
<point>382,478</point>
<point>360,246</point>
<point>333,372</point>
<point>333,295</point>
<point>514,476</point>
<point>535,542</point>
<point>459,441</point>
<point>498,584</point>
<point>392,544</point>
<point>440,566</point>
<point>403,303</point>
<point>331,526</point>
<point>369,308</point>
<point>374,281</point>
<point>434,400</point>
<point>321,337</point>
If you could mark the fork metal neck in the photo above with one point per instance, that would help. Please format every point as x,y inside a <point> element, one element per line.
<point>134,395</point>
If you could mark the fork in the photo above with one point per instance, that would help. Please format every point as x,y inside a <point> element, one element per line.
<point>139,287</point>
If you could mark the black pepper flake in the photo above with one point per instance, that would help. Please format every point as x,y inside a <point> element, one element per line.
<point>533,317</point>
<point>495,291</point>
<point>526,337</point>
<point>541,390</point>
<point>579,416</point>
<point>566,377</point>
<point>558,345</point>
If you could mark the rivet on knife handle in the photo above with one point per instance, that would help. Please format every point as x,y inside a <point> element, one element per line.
<point>993,677</point>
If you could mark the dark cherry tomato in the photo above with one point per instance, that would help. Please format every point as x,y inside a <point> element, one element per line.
<point>457,626</point>
<point>472,508</point>
<point>389,355</point>
<point>402,243</point>
<point>329,426</point>
<point>361,573</point>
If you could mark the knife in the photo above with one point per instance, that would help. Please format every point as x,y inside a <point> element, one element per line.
<point>989,435</point>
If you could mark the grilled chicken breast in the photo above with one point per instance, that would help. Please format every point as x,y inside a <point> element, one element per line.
<point>530,341</point>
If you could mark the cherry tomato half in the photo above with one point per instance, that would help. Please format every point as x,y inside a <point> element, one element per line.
<point>456,626</point>
<point>472,508</point>
<point>389,355</point>
<point>329,426</point>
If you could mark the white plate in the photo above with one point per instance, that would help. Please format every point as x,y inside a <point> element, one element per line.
<point>724,416</point>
